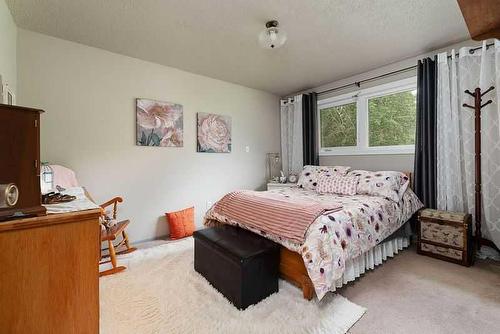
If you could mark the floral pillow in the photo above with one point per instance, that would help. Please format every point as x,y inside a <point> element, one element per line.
<point>308,178</point>
<point>388,184</point>
<point>337,184</point>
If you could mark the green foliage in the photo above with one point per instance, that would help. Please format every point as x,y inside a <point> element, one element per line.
<point>338,126</point>
<point>143,141</point>
<point>151,139</point>
<point>392,119</point>
<point>155,139</point>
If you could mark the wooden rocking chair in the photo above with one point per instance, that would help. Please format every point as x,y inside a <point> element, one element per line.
<point>110,235</point>
<point>65,177</point>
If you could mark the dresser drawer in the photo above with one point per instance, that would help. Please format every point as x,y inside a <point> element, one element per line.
<point>442,233</point>
<point>443,251</point>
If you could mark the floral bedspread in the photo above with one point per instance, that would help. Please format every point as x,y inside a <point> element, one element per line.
<point>332,239</point>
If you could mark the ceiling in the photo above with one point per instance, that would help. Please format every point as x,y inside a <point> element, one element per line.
<point>327,39</point>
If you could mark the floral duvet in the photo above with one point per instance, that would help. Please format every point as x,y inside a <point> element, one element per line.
<point>334,238</point>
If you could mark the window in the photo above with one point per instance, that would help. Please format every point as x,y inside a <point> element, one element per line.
<point>377,120</point>
<point>338,125</point>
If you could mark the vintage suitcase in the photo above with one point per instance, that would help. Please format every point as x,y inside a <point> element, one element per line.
<point>446,236</point>
<point>243,266</point>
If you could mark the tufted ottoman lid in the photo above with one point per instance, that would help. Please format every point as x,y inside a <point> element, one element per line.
<point>236,241</point>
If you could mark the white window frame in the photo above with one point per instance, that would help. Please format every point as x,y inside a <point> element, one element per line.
<point>361,98</point>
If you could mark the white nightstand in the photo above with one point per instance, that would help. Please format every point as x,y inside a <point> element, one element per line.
<point>276,185</point>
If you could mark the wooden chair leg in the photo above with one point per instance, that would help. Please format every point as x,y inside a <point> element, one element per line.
<point>112,256</point>
<point>127,245</point>
<point>125,237</point>
<point>112,253</point>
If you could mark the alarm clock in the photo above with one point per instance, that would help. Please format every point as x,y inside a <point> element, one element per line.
<point>292,178</point>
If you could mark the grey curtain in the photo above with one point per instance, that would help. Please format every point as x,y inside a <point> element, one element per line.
<point>309,129</point>
<point>426,133</point>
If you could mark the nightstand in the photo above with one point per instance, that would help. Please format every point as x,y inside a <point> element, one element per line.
<point>276,185</point>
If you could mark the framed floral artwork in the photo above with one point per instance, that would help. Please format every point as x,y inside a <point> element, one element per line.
<point>159,123</point>
<point>214,133</point>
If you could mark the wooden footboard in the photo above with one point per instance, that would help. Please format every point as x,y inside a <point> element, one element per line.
<point>293,270</point>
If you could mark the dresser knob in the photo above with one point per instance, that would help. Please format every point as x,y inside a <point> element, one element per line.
<point>9,194</point>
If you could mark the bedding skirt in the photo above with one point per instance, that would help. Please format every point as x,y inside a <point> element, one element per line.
<point>354,268</point>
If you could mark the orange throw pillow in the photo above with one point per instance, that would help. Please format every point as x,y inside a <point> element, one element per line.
<point>181,223</point>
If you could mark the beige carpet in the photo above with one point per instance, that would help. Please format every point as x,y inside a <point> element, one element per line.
<point>417,294</point>
<point>161,293</point>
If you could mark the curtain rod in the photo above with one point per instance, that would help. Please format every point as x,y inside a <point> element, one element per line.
<point>358,83</point>
<point>406,69</point>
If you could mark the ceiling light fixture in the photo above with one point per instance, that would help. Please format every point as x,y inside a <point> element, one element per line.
<point>272,37</point>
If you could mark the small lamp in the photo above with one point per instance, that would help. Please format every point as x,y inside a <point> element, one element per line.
<point>274,166</point>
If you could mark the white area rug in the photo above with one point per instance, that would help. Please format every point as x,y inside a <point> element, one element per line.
<point>161,293</point>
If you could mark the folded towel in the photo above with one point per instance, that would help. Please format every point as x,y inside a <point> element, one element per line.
<point>80,203</point>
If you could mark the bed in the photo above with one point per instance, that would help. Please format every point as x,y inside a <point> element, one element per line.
<point>338,246</point>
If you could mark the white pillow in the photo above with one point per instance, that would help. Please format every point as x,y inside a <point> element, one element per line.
<point>308,178</point>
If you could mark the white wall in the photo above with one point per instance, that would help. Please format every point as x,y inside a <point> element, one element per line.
<point>89,125</point>
<point>402,162</point>
<point>8,36</point>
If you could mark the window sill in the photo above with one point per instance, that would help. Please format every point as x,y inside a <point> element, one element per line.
<point>377,151</point>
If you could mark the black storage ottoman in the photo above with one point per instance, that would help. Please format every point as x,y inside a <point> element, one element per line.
<point>242,265</point>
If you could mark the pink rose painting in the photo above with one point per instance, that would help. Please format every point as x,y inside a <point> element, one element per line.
<point>159,123</point>
<point>214,133</point>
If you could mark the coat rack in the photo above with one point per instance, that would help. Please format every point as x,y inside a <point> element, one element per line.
<point>477,154</point>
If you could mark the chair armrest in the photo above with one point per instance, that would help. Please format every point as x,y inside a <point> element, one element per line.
<point>111,201</point>
<point>114,202</point>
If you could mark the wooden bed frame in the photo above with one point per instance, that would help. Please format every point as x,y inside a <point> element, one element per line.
<point>293,270</point>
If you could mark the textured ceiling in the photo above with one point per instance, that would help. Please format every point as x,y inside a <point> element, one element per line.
<point>327,39</point>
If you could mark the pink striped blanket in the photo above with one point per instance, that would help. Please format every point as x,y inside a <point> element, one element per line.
<point>272,213</point>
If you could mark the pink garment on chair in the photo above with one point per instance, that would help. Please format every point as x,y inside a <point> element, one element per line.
<point>64,177</point>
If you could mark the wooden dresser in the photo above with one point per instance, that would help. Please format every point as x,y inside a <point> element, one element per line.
<point>49,274</point>
<point>20,159</point>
